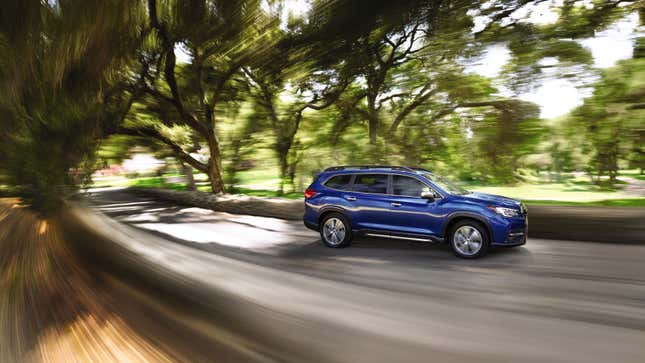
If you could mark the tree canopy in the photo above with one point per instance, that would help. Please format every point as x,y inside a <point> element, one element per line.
<point>367,81</point>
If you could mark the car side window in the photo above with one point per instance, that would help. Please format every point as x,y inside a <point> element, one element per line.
<point>371,183</point>
<point>403,185</point>
<point>340,182</point>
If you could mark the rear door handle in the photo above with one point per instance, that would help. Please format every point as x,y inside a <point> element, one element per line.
<point>396,204</point>
<point>351,199</point>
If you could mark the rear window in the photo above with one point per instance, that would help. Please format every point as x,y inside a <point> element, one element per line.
<point>340,182</point>
<point>371,183</point>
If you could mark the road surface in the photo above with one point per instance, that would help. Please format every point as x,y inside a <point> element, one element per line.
<point>393,300</point>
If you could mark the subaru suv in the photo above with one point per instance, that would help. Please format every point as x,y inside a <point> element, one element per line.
<point>410,203</point>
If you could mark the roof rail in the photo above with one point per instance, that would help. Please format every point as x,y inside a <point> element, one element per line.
<point>393,167</point>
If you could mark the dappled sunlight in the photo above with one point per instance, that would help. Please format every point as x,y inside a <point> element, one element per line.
<point>88,339</point>
<point>205,226</point>
<point>235,236</point>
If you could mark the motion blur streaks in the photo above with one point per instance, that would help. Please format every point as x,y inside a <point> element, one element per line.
<point>148,296</point>
<point>50,309</point>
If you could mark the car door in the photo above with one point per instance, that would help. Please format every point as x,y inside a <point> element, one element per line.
<point>370,202</point>
<point>409,212</point>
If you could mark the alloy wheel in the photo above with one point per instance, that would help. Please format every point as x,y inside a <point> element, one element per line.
<point>334,231</point>
<point>468,240</point>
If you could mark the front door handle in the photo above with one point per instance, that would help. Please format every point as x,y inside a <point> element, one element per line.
<point>396,204</point>
<point>351,199</point>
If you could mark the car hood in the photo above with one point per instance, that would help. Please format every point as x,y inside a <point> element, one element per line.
<point>492,199</point>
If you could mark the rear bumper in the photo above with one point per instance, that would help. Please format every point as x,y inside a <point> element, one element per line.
<point>310,225</point>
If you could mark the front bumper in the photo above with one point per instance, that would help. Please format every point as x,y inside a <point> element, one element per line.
<point>515,238</point>
<point>513,232</point>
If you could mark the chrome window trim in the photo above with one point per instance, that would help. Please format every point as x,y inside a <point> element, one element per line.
<point>388,186</point>
<point>434,190</point>
<point>351,181</point>
<point>390,181</point>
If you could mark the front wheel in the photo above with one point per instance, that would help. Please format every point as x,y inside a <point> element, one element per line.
<point>335,230</point>
<point>469,239</point>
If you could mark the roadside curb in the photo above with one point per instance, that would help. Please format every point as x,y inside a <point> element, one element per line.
<point>231,203</point>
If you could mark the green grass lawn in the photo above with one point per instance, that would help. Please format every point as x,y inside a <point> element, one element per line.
<point>552,191</point>
<point>159,182</point>
<point>259,178</point>
<point>626,202</point>
<point>635,173</point>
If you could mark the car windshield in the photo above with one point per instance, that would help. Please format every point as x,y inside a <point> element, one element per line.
<point>445,184</point>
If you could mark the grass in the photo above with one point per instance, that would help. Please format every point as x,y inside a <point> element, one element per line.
<point>553,191</point>
<point>267,193</point>
<point>634,173</point>
<point>626,202</point>
<point>261,178</point>
<point>159,182</point>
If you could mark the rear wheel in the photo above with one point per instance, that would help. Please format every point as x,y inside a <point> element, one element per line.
<point>469,239</point>
<point>335,230</point>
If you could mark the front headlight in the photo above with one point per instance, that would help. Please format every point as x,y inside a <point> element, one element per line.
<point>506,212</point>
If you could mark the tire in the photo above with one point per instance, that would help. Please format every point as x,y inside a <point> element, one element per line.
<point>469,239</point>
<point>343,230</point>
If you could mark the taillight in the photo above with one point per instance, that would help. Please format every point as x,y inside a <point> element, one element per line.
<point>309,193</point>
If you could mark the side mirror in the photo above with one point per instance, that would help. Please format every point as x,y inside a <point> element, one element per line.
<point>428,195</point>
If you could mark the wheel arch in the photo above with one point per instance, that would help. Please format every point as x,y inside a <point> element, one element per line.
<point>460,216</point>
<point>333,209</point>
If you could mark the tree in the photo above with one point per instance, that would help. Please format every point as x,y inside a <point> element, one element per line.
<point>220,38</point>
<point>416,42</point>
<point>284,102</point>
<point>613,118</point>
<point>408,58</point>
<point>62,82</point>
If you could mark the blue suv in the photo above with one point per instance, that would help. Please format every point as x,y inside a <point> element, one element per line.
<point>410,203</point>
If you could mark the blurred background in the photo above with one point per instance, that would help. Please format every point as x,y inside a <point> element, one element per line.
<point>539,100</point>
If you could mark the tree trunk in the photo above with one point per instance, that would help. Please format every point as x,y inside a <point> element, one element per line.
<point>187,170</point>
<point>292,175</point>
<point>215,165</point>
<point>215,177</point>
<point>372,122</point>
<point>232,168</point>
<point>284,166</point>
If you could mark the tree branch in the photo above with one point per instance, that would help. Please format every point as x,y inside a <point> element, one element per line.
<point>169,70</point>
<point>219,85</point>
<point>266,97</point>
<point>154,133</point>
<point>189,120</point>
<point>418,100</point>
<point>390,97</point>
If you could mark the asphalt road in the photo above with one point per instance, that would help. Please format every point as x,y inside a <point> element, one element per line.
<point>391,300</point>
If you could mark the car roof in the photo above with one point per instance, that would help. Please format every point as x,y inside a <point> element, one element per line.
<point>355,169</point>
<point>370,167</point>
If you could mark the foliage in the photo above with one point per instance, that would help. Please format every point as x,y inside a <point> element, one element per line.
<point>215,83</point>
<point>611,123</point>
<point>63,79</point>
